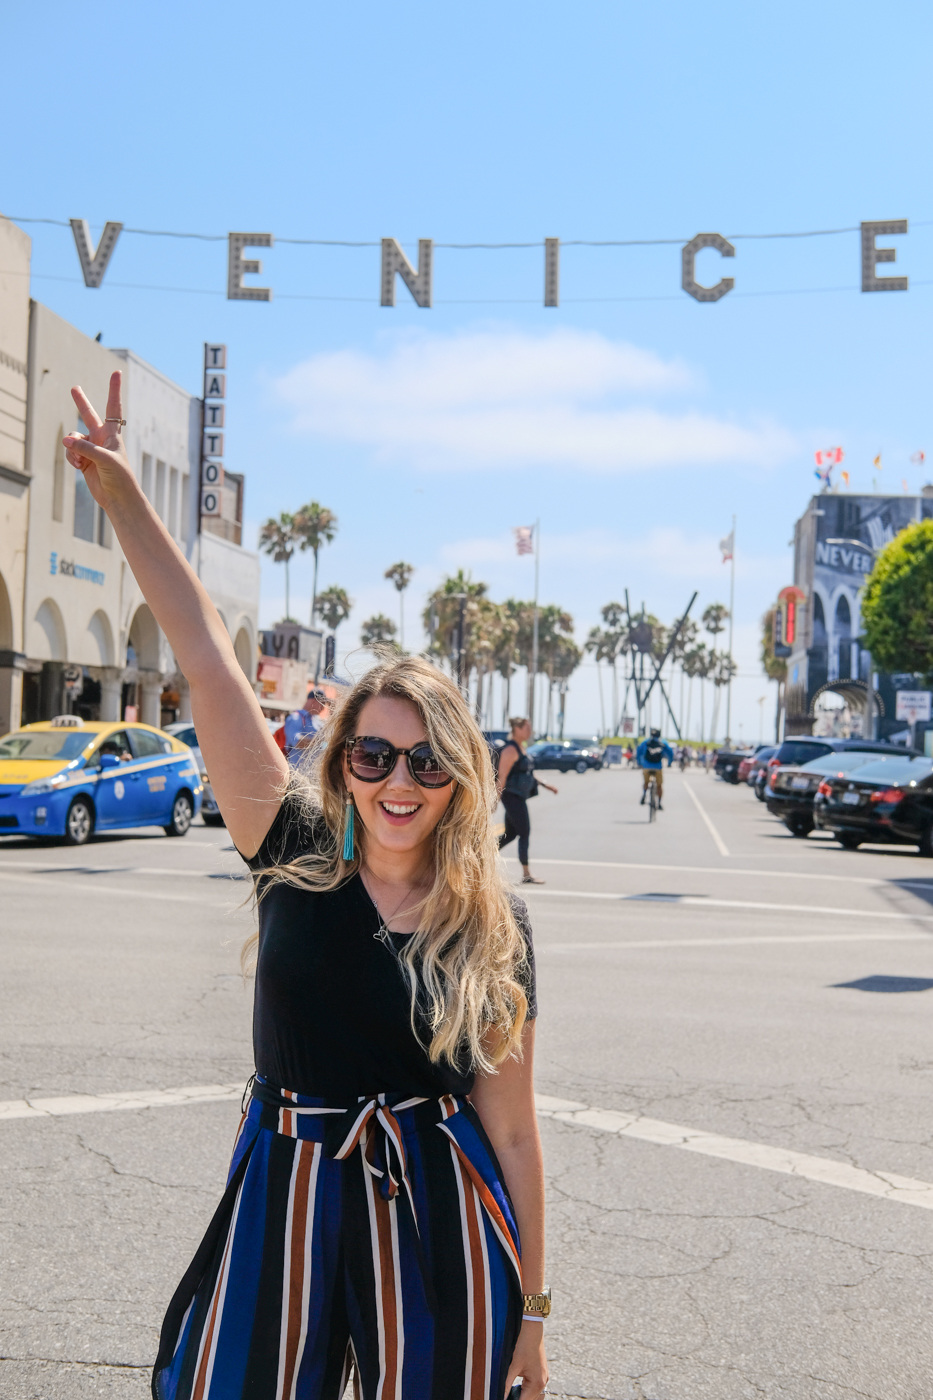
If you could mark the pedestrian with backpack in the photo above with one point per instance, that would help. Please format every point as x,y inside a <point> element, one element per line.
<point>650,757</point>
<point>516,782</point>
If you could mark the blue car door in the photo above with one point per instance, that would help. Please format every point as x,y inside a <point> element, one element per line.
<point>153,762</point>
<point>117,790</point>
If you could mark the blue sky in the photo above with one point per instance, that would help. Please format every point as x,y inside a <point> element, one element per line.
<point>634,421</point>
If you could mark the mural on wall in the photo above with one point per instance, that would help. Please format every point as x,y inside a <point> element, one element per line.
<point>847,534</point>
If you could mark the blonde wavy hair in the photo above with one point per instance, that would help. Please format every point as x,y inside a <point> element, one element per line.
<point>463,961</point>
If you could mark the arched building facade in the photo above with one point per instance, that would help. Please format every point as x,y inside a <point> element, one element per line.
<point>88,642</point>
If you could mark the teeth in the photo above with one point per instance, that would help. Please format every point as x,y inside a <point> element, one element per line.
<point>399,811</point>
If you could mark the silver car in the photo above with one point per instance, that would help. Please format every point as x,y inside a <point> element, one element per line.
<point>184,732</point>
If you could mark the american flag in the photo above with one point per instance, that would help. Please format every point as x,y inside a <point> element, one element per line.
<point>524,539</point>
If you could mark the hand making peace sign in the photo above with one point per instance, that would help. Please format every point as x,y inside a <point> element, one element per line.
<point>99,454</point>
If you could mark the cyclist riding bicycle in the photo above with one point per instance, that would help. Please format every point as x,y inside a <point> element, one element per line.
<point>650,757</point>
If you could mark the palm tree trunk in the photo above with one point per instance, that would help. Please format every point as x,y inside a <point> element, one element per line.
<point>602,706</point>
<point>401,618</point>
<point>702,709</point>
<point>615,699</point>
<point>314,590</point>
<point>288,611</point>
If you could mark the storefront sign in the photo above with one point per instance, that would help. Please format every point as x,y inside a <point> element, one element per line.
<point>212,438</point>
<point>73,570</point>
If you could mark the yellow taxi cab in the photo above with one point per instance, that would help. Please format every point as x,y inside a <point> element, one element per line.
<point>68,778</point>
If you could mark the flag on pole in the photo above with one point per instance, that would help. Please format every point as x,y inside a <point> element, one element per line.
<point>829,457</point>
<point>876,462</point>
<point>845,477</point>
<point>727,546</point>
<point>918,458</point>
<point>524,539</point>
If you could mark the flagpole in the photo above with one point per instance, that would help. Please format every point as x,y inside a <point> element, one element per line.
<point>731,624</point>
<point>534,644</point>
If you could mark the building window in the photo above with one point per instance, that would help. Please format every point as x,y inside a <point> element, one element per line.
<point>85,510</point>
<point>159,501</point>
<point>173,502</point>
<point>58,477</point>
<point>147,477</point>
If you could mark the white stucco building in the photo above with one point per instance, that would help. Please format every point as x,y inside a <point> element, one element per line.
<point>14,480</point>
<point>75,631</point>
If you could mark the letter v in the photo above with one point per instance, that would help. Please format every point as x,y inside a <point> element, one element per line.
<point>94,264</point>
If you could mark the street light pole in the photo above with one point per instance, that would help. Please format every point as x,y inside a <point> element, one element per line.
<point>534,640</point>
<point>731,624</point>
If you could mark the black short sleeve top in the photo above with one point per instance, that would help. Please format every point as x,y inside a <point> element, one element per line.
<point>331,1014</point>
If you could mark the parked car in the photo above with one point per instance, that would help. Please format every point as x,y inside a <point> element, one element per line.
<point>751,770</point>
<point>889,800</point>
<point>750,759</point>
<point>790,791</point>
<point>185,734</point>
<point>566,754</point>
<point>727,763</point>
<point>68,778</point>
<point>803,748</point>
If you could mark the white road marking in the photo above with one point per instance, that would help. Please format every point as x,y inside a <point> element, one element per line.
<point>889,1185</point>
<point>721,846</point>
<point>110,1103</point>
<point>84,887</point>
<point>35,867</point>
<point>718,870</point>
<point>543,947</point>
<point>701,902</point>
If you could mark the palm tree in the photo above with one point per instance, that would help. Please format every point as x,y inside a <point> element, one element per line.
<point>278,538</point>
<point>400,574</point>
<point>314,525</point>
<point>775,667</point>
<point>378,630</point>
<point>334,607</point>
<point>721,675</point>
<point>615,643</point>
<point>696,665</point>
<point>442,619</point>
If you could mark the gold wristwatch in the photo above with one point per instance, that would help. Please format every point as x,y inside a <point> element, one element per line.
<point>537,1304</point>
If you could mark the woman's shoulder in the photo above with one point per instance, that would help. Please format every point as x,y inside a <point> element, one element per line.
<point>298,829</point>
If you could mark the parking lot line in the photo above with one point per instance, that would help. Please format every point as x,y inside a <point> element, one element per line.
<point>542,946</point>
<point>83,887</point>
<point>887,1185</point>
<point>721,846</point>
<point>718,870</point>
<point>702,902</point>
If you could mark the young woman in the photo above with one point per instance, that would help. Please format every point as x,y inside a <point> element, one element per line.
<point>516,782</point>
<point>388,1160</point>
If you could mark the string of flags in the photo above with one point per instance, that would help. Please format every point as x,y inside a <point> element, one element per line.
<point>524,539</point>
<point>830,457</point>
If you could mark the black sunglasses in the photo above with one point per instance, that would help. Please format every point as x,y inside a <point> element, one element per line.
<point>371,759</point>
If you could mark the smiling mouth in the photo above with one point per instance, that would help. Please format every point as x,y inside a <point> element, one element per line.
<point>399,813</point>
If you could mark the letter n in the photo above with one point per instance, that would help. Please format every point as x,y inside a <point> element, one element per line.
<point>418,283</point>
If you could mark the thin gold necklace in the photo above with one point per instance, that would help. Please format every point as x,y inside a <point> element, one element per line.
<point>383,932</point>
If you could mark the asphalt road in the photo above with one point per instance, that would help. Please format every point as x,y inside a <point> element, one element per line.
<point>735,1065</point>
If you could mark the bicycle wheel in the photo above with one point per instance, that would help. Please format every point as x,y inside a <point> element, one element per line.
<point>653,802</point>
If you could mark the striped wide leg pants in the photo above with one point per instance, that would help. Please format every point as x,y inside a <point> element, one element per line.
<point>379,1237</point>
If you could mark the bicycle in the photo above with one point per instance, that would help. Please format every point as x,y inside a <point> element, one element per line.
<point>653,802</point>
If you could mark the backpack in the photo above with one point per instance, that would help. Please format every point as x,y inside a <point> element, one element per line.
<point>654,751</point>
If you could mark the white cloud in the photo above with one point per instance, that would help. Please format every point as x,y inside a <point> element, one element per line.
<point>502,397</point>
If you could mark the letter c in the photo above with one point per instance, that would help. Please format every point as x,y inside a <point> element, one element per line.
<point>688,280</point>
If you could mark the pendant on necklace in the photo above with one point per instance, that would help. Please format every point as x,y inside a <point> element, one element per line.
<point>382,935</point>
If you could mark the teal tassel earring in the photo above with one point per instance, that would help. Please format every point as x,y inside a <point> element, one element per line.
<point>348,831</point>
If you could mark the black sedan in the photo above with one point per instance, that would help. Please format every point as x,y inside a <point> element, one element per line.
<point>888,801</point>
<point>566,754</point>
<point>790,792</point>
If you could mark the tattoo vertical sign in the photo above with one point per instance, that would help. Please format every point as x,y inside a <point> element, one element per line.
<point>212,433</point>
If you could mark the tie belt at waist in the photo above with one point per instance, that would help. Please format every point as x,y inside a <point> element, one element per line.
<point>372,1125</point>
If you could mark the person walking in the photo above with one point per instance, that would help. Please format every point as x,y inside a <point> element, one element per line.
<point>300,727</point>
<point>650,757</point>
<point>516,783</point>
<point>384,1212</point>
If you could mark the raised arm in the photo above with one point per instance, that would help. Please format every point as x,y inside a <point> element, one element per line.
<point>246,766</point>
